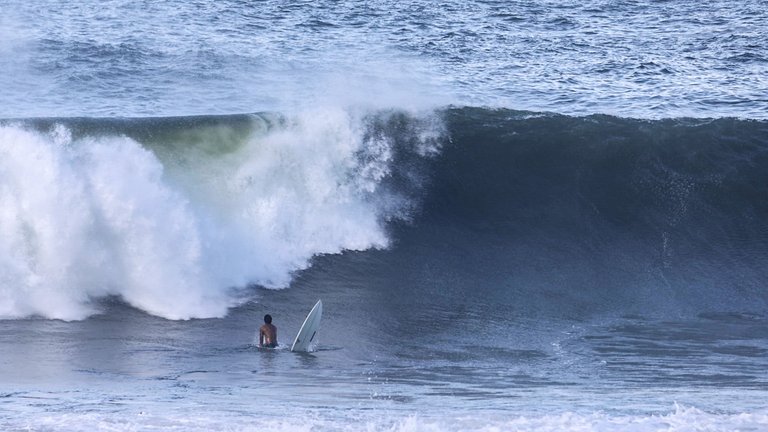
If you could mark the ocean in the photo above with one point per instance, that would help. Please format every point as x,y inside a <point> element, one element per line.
<point>523,216</point>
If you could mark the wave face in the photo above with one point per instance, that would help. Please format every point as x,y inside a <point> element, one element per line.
<point>531,215</point>
<point>539,214</point>
<point>597,213</point>
<point>591,214</point>
<point>174,215</point>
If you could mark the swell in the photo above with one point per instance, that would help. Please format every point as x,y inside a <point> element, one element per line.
<point>530,214</point>
<point>511,169</point>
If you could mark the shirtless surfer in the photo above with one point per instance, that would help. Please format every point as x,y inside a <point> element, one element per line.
<point>268,333</point>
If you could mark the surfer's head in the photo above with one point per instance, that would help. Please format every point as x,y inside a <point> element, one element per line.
<point>268,319</point>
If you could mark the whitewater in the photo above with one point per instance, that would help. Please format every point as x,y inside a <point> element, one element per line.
<point>176,229</point>
<point>519,216</point>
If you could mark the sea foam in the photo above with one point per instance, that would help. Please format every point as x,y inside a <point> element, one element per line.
<point>179,235</point>
<point>682,419</point>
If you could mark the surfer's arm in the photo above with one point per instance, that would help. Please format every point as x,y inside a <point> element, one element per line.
<point>261,337</point>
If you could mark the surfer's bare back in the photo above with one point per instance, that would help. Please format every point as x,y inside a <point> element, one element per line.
<point>268,333</point>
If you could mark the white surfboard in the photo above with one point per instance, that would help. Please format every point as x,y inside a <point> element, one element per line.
<point>308,329</point>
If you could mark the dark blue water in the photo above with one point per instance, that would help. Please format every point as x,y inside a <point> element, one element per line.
<point>518,216</point>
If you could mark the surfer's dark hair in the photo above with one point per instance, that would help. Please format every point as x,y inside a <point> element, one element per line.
<point>268,319</point>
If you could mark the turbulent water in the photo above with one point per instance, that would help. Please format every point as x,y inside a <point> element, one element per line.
<point>519,216</point>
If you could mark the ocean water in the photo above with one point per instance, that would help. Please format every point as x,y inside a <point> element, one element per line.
<point>528,216</point>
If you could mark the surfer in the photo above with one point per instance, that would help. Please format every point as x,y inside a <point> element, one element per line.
<point>268,333</point>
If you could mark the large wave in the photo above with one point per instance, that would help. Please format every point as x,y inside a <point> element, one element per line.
<point>525,212</point>
<point>177,215</point>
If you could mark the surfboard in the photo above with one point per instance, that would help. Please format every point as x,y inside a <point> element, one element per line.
<point>309,329</point>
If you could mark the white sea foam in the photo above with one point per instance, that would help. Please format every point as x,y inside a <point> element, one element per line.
<point>90,219</point>
<point>682,419</point>
<point>93,217</point>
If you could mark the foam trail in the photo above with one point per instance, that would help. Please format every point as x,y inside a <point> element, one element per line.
<point>172,227</point>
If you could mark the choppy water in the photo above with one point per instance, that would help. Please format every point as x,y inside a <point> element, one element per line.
<point>172,171</point>
<point>637,59</point>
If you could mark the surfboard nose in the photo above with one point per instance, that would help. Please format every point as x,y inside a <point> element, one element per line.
<point>308,329</point>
